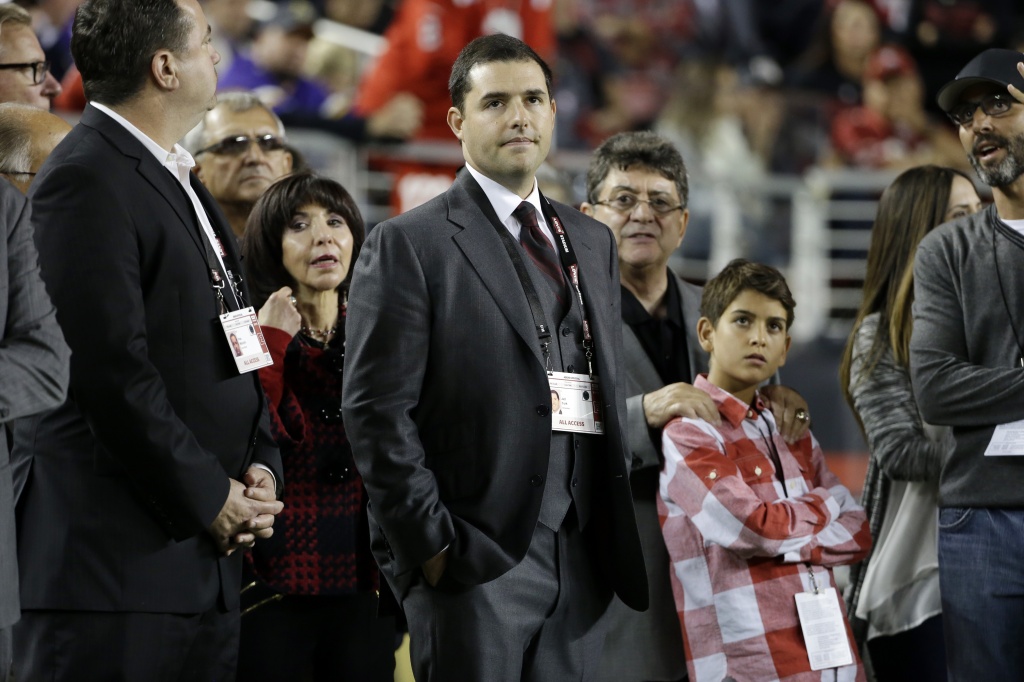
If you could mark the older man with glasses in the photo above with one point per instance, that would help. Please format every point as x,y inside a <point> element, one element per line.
<point>24,72</point>
<point>637,186</point>
<point>239,149</point>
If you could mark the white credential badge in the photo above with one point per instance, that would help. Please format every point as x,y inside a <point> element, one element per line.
<point>575,403</point>
<point>245,340</point>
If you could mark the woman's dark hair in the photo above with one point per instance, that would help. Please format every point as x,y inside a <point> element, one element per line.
<point>261,245</point>
<point>911,207</point>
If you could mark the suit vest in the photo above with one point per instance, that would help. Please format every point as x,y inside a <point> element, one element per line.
<point>570,460</point>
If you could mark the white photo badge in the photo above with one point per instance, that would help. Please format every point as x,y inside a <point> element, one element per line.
<point>245,339</point>
<point>575,403</point>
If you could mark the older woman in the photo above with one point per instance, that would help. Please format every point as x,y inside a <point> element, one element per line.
<point>316,581</point>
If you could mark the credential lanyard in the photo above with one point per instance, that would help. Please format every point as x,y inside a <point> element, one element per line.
<point>570,264</point>
<point>217,282</point>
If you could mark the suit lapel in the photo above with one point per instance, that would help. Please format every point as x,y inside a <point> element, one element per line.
<point>639,367</point>
<point>155,174</point>
<point>689,297</point>
<point>470,209</point>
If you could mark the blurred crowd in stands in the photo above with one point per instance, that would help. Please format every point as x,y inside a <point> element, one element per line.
<point>743,88</point>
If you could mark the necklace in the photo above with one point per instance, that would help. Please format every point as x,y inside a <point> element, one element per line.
<point>321,335</point>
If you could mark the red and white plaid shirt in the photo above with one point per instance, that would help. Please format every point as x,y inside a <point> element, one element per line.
<point>741,542</point>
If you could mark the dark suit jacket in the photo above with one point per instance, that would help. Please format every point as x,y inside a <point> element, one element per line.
<point>446,399</point>
<point>130,471</point>
<point>33,365</point>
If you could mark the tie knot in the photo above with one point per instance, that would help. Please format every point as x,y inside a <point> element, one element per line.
<point>526,215</point>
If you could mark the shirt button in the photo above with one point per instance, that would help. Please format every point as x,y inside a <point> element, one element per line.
<point>713,475</point>
<point>576,443</point>
<point>536,481</point>
<point>566,331</point>
<point>757,471</point>
<point>570,369</point>
<point>575,482</point>
<point>543,410</point>
<point>750,414</point>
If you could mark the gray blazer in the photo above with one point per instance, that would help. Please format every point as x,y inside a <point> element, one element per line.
<point>649,645</point>
<point>33,365</point>
<point>446,400</point>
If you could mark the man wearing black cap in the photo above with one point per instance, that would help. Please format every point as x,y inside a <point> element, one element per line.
<point>967,355</point>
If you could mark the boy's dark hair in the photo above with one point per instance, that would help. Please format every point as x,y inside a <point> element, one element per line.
<point>485,50</point>
<point>113,43</point>
<point>741,275</point>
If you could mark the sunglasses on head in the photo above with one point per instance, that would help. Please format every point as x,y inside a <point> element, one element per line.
<point>239,144</point>
<point>994,104</point>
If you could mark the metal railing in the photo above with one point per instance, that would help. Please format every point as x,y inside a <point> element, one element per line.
<point>815,227</point>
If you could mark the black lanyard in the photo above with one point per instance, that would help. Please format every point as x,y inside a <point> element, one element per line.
<point>999,278</point>
<point>217,282</point>
<point>769,443</point>
<point>571,268</point>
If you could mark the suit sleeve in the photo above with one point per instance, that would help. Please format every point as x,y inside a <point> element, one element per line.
<point>90,259</point>
<point>951,390</point>
<point>33,354</point>
<point>638,435</point>
<point>387,347</point>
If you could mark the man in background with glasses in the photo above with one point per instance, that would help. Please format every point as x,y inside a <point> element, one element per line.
<point>239,149</point>
<point>24,72</point>
<point>637,185</point>
<point>967,368</point>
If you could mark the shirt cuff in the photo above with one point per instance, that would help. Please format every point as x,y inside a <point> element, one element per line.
<point>269,471</point>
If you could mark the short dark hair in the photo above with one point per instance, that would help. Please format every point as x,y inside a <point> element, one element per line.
<point>742,275</point>
<point>261,245</point>
<point>485,50</point>
<point>640,149</point>
<point>113,43</point>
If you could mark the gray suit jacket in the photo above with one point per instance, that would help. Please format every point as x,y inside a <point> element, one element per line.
<point>649,645</point>
<point>446,399</point>
<point>33,365</point>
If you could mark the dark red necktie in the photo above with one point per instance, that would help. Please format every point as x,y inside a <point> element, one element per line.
<point>540,250</point>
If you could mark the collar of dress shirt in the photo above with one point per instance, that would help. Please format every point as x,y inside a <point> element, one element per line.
<point>729,406</point>
<point>178,160</point>
<point>504,201</point>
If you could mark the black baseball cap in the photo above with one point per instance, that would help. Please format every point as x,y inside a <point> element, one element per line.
<point>993,67</point>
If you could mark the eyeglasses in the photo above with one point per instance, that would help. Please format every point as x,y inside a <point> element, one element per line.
<point>28,173</point>
<point>995,104</point>
<point>39,70</point>
<point>238,145</point>
<point>625,203</point>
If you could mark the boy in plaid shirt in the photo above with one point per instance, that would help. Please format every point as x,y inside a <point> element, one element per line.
<point>746,516</point>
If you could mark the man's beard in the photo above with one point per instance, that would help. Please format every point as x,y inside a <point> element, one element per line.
<point>1007,170</point>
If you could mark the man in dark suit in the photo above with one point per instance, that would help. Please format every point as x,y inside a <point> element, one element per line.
<point>160,465</point>
<point>637,185</point>
<point>503,536</point>
<point>33,376</point>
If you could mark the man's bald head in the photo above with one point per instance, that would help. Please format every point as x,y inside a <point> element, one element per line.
<point>27,136</point>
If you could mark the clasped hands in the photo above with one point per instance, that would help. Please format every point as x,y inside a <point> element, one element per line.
<point>248,513</point>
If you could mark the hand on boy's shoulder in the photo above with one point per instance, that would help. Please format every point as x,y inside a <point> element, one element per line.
<point>790,410</point>
<point>679,400</point>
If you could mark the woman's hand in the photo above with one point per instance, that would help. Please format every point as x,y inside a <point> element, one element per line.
<point>279,312</point>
